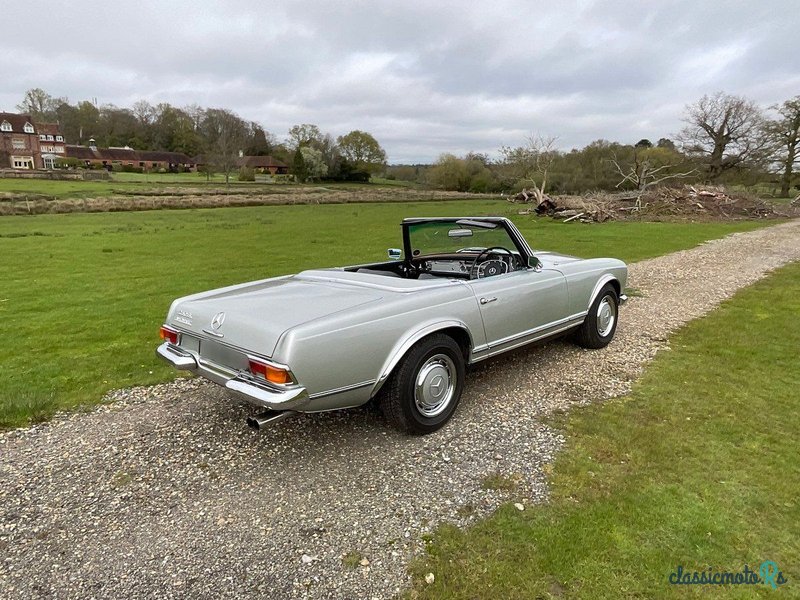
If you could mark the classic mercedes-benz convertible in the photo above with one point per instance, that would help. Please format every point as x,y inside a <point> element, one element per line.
<point>401,331</point>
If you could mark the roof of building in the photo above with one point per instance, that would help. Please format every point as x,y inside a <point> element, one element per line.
<point>47,128</point>
<point>260,162</point>
<point>17,121</point>
<point>126,154</point>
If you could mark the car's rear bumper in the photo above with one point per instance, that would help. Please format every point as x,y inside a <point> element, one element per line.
<point>237,384</point>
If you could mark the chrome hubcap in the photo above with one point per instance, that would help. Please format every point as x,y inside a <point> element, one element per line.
<point>606,316</point>
<point>435,385</point>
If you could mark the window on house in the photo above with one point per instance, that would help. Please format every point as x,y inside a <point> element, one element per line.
<point>59,138</point>
<point>49,138</point>
<point>5,126</point>
<point>42,137</point>
<point>28,128</point>
<point>18,144</point>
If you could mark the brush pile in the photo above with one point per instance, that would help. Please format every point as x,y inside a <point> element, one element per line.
<point>663,203</point>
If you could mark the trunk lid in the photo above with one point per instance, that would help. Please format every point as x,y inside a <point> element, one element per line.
<point>257,314</point>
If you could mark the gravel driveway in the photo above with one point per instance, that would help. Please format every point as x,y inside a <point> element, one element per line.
<point>165,493</point>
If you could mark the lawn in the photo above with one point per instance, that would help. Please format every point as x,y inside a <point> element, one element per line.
<point>83,295</point>
<point>697,467</point>
<point>131,183</point>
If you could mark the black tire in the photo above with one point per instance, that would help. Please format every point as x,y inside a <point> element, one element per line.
<point>404,408</point>
<point>596,332</point>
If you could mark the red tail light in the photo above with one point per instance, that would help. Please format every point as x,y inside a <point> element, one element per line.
<point>168,334</point>
<point>269,372</point>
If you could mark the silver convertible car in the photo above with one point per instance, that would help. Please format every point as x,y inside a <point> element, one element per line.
<point>402,331</point>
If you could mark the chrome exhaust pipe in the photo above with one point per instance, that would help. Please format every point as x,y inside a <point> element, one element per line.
<point>268,417</point>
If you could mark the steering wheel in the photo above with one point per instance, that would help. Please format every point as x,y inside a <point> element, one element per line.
<point>474,269</point>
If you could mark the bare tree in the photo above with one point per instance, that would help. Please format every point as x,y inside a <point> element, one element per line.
<point>784,135</point>
<point>532,163</point>
<point>225,135</point>
<point>644,172</point>
<point>40,105</point>
<point>725,131</point>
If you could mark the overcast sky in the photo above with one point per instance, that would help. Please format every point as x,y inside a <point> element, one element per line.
<point>423,77</point>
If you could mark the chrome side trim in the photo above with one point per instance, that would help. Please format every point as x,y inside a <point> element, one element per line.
<point>213,333</point>
<point>529,332</point>
<point>339,390</point>
<point>528,341</point>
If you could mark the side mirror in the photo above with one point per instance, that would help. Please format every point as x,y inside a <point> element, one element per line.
<point>535,263</point>
<point>395,253</point>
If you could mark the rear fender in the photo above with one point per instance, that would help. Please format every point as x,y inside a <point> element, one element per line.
<point>406,342</point>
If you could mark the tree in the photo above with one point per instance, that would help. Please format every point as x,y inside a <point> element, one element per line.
<point>648,168</point>
<point>725,131</point>
<point>314,162</point>
<point>531,164</point>
<point>643,143</point>
<point>784,137</point>
<point>362,150</point>
<point>40,105</point>
<point>449,173</point>
<point>224,134</point>
<point>299,167</point>
<point>259,142</point>
<point>302,135</point>
<point>666,143</point>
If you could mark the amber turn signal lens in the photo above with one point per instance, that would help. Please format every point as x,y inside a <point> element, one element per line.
<point>270,373</point>
<point>168,334</point>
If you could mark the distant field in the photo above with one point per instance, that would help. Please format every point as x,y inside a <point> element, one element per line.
<point>83,295</point>
<point>129,183</point>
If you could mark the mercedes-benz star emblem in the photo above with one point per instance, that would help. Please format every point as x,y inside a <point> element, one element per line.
<point>218,320</point>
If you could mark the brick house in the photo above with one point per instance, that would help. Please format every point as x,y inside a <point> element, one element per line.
<point>264,164</point>
<point>19,142</point>
<point>144,159</point>
<point>51,144</point>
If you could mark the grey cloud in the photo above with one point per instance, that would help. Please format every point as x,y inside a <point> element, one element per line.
<point>424,77</point>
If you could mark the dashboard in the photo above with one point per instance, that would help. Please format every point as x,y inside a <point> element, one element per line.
<point>495,263</point>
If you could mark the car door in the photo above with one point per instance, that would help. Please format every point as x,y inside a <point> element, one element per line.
<point>520,306</point>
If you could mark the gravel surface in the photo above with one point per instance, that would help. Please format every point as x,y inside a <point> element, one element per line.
<point>164,492</point>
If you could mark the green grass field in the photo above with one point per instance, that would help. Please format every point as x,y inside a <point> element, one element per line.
<point>697,467</point>
<point>83,295</point>
<point>130,183</point>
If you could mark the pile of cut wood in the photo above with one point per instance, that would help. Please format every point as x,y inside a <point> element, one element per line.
<point>658,203</point>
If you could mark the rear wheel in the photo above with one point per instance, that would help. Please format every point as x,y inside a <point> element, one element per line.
<point>424,390</point>
<point>601,323</point>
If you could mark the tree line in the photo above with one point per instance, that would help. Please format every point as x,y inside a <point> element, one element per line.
<point>725,139</point>
<point>216,134</point>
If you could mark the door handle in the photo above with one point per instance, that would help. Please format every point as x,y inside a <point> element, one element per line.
<point>487,300</point>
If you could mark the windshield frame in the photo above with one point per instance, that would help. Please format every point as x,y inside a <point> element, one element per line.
<point>474,223</point>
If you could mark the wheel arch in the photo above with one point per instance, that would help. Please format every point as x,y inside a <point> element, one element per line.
<point>601,283</point>
<point>456,329</point>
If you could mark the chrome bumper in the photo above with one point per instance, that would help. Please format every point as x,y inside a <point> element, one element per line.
<point>291,398</point>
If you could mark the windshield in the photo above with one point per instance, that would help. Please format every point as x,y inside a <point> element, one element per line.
<point>448,237</point>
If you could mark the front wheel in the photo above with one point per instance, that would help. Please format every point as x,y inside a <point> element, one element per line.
<point>424,390</point>
<point>601,323</point>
